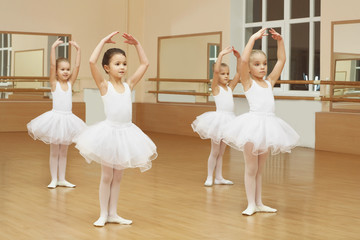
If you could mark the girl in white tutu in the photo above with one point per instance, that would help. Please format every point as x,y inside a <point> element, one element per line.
<point>259,131</point>
<point>115,143</point>
<point>210,125</point>
<point>59,126</point>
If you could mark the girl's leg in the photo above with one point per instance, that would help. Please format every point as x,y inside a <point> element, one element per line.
<point>104,194</point>
<point>114,196</point>
<point>54,160</point>
<point>260,207</point>
<point>219,179</point>
<point>214,153</point>
<point>62,167</point>
<point>251,169</point>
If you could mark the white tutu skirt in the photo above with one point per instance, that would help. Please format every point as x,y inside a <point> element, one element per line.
<point>55,127</point>
<point>210,125</point>
<point>263,132</point>
<point>116,145</point>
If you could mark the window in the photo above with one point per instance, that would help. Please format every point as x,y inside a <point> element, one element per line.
<point>299,22</point>
<point>63,51</point>
<point>5,54</point>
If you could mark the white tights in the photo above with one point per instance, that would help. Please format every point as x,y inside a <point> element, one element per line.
<point>254,166</point>
<point>58,159</point>
<point>215,163</point>
<point>108,195</point>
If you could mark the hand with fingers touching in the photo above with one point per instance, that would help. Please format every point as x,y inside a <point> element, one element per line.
<point>260,34</point>
<point>275,35</point>
<point>236,53</point>
<point>130,39</point>
<point>108,38</point>
<point>227,50</point>
<point>57,42</point>
<point>73,43</point>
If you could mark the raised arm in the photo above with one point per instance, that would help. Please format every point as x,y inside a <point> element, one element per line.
<point>53,64</point>
<point>245,75</point>
<point>76,69</point>
<point>276,72</point>
<point>95,72</point>
<point>217,67</point>
<point>144,62</point>
<point>236,79</point>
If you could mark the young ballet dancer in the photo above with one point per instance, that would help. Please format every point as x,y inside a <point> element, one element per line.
<point>259,131</point>
<point>59,126</point>
<point>115,143</point>
<point>210,125</point>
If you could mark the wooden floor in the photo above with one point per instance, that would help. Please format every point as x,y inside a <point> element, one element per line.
<point>316,193</point>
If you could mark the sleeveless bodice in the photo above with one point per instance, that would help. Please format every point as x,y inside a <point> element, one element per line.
<point>260,99</point>
<point>118,106</point>
<point>224,100</point>
<point>62,100</point>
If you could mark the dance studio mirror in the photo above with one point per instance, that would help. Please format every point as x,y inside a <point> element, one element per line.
<point>26,55</point>
<point>186,61</point>
<point>346,57</point>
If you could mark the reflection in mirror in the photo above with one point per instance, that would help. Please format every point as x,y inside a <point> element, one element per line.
<point>351,92</point>
<point>26,56</point>
<point>186,60</point>
<point>347,70</point>
<point>346,66</point>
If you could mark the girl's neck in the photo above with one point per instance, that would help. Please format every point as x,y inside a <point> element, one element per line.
<point>115,80</point>
<point>62,81</point>
<point>224,86</point>
<point>256,78</point>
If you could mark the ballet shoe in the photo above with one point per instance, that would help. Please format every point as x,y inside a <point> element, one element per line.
<point>249,211</point>
<point>118,219</point>
<point>100,222</point>
<point>65,183</point>
<point>223,182</point>
<point>208,182</point>
<point>52,184</point>
<point>264,208</point>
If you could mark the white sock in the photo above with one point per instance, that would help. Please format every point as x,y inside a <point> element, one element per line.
<point>118,219</point>
<point>65,183</point>
<point>52,184</point>
<point>208,182</point>
<point>250,210</point>
<point>264,208</point>
<point>100,222</point>
<point>223,182</point>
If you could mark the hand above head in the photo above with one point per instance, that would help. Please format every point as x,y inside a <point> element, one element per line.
<point>227,50</point>
<point>130,39</point>
<point>236,53</point>
<point>275,35</point>
<point>73,43</point>
<point>260,34</point>
<point>108,39</point>
<point>57,42</point>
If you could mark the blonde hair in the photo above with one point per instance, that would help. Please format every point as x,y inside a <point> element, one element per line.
<point>256,51</point>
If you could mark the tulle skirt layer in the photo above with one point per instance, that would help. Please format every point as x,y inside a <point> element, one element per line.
<point>210,125</point>
<point>115,145</point>
<point>261,132</point>
<point>55,127</point>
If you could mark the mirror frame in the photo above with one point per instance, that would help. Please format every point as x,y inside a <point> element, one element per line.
<point>35,78</point>
<point>333,66</point>
<point>181,36</point>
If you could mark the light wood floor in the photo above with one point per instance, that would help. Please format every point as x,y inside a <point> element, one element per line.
<point>316,193</point>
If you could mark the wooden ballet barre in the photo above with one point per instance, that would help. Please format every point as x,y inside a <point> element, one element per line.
<point>23,79</point>
<point>179,80</point>
<point>180,93</point>
<point>25,90</point>
<point>300,82</point>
